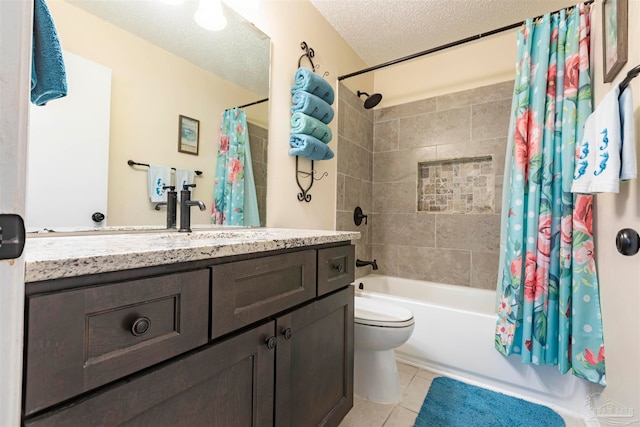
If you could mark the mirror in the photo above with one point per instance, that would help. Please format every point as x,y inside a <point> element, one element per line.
<point>162,65</point>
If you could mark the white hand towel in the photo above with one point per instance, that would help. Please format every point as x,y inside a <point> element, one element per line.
<point>629,168</point>
<point>158,177</point>
<point>602,159</point>
<point>183,176</point>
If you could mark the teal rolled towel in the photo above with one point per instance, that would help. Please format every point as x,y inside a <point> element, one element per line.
<point>307,80</point>
<point>48,74</point>
<point>309,147</point>
<point>311,105</point>
<point>301,123</point>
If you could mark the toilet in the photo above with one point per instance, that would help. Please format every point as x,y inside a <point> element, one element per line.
<point>379,328</point>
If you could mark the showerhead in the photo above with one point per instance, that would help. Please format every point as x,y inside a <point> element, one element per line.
<point>372,100</point>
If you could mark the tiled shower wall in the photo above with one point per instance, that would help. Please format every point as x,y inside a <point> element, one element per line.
<point>355,167</point>
<point>259,141</point>
<point>456,133</point>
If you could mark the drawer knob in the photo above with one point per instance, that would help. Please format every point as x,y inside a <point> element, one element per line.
<point>287,333</point>
<point>140,326</point>
<point>271,342</point>
<point>339,268</point>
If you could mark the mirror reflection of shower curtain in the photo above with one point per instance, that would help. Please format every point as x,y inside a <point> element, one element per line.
<point>234,191</point>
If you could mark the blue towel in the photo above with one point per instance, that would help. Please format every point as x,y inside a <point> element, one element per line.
<point>309,147</point>
<point>309,81</point>
<point>301,123</point>
<point>311,105</point>
<point>48,76</point>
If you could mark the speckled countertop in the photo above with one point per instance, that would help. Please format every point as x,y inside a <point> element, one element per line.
<point>72,255</point>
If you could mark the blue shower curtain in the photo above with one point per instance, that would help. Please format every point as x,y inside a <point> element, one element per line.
<point>234,191</point>
<point>548,302</point>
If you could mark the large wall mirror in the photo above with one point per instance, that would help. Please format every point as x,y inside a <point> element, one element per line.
<point>158,65</point>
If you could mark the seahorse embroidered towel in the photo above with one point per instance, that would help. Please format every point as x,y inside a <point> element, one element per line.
<point>607,152</point>
<point>183,176</point>
<point>158,177</point>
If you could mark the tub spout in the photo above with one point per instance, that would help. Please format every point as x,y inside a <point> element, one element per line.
<point>373,264</point>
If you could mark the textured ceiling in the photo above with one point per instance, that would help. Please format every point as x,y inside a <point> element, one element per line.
<point>384,30</point>
<point>239,53</point>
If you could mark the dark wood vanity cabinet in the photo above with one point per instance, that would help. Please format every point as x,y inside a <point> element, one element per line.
<point>283,357</point>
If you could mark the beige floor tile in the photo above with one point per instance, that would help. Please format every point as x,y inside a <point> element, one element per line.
<point>427,375</point>
<point>405,379</point>
<point>403,367</point>
<point>415,393</point>
<point>401,417</point>
<point>366,414</point>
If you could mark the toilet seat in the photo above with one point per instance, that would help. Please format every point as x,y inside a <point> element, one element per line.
<point>371,312</point>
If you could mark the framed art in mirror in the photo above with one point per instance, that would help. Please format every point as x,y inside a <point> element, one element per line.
<point>188,135</point>
<point>614,37</point>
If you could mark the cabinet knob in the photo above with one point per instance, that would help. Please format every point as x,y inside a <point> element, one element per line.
<point>287,333</point>
<point>339,268</point>
<point>271,342</point>
<point>140,326</point>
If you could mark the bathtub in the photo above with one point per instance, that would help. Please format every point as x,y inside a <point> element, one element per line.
<point>454,335</point>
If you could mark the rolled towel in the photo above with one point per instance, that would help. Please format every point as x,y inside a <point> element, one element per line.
<point>309,147</point>
<point>311,105</point>
<point>48,75</point>
<point>309,81</point>
<point>301,123</point>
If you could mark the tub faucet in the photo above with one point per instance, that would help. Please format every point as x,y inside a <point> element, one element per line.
<point>373,264</point>
<point>185,208</point>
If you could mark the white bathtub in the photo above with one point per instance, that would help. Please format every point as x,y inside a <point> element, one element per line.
<point>454,334</point>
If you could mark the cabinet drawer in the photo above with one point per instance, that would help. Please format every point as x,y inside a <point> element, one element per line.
<point>81,339</point>
<point>228,384</point>
<point>335,268</point>
<point>244,292</point>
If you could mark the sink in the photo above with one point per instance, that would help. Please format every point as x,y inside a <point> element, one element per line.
<point>136,229</point>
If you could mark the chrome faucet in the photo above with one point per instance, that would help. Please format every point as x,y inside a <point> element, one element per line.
<point>373,264</point>
<point>185,207</point>
<point>171,206</point>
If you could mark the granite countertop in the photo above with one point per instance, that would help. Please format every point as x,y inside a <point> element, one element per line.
<point>56,257</point>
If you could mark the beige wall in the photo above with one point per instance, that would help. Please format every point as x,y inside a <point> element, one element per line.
<point>150,89</point>
<point>480,63</point>
<point>619,276</point>
<point>288,23</point>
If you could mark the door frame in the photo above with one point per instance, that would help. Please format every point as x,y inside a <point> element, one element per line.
<point>16,18</point>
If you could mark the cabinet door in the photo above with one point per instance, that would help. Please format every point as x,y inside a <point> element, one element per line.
<point>314,364</point>
<point>225,385</point>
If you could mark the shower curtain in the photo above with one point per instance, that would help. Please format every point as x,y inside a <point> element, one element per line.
<point>548,302</point>
<point>234,191</point>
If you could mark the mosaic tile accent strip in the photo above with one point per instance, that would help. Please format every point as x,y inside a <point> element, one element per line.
<point>457,185</point>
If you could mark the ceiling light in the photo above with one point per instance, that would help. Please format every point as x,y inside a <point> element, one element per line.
<point>209,15</point>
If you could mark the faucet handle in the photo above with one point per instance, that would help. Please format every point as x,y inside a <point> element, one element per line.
<point>185,187</point>
<point>169,187</point>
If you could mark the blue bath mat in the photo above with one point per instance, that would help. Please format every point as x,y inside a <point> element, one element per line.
<point>451,403</point>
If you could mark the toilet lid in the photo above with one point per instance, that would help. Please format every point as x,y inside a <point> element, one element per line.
<point>374,312</point>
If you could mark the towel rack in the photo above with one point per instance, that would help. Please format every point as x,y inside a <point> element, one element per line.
<point>630,76</point>
<point>309,54</point>
<point>304,195</point>
<point>132,163</point>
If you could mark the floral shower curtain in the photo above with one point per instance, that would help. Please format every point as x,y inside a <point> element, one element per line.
<point>548,303</point>
<point>234,193</point>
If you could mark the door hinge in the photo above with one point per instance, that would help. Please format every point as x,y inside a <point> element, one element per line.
<point>12,236</point>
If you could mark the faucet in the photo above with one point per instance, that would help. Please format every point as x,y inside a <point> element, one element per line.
<point>185,205</point>
<point>171,205</point>
<point>373,264</point>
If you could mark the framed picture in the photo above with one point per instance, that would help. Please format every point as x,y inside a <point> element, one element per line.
<point>614,37</point>
<point>188,135</point>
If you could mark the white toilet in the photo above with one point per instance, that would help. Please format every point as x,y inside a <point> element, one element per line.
<point>379,328</point>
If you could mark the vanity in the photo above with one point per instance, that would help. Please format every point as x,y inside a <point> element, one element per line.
<point>213,328</point>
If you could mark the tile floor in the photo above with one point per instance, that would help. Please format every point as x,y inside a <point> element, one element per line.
<point>415,383</point>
